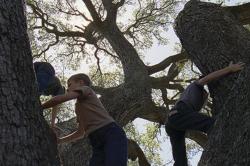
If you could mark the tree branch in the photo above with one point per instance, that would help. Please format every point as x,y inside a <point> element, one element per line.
<point>119,4</point>
<point>101,90</point>
<point>92,11</point>
<point>48,47</point>
<point>111,11</point>
<point>164,95</point>
<point>134,152</point>
<point>155,114</point>
<point>166,62</point>
<point>54,29</point>
<point>242,12</point>
<point>198,137</point>
<point>163,82</point>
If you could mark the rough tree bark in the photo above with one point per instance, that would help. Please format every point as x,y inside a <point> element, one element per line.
<point>212,38</point>
<point>25,136</point>
<point>132,98</point>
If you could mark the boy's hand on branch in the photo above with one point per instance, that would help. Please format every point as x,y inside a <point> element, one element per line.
<point>236,67</point>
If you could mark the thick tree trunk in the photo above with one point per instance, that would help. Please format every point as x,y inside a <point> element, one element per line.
<point>212,38</point>
<point>25,136</point>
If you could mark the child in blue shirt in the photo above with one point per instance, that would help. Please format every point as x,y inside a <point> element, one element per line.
<point>48,84</point>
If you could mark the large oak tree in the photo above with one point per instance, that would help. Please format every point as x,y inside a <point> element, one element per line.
<point>106,35</point>
<point>102,33</point>
<point>25,136</point>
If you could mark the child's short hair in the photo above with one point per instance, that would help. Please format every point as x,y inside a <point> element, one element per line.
<point>83,77</point>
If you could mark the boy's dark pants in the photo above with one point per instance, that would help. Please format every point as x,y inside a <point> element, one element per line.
<point>177,124</point>
<point>109,146</point>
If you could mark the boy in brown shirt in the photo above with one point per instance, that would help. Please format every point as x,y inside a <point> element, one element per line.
<point>108,140</point>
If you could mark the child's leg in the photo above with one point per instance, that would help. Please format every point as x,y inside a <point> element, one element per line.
<point>115,147</point>
<point>187,119</point>
<point>196,121</point>
<point>97,158</point>
<point>177,139</point>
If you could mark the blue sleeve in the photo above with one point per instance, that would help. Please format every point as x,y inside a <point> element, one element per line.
<point>44,67</point>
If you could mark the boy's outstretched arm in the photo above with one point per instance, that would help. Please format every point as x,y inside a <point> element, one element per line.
<point>60,99</point>
<point>232,68</point>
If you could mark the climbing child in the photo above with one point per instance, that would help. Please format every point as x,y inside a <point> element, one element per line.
<point>108,140</point>
<point>185,114</point>
<point>48,84</point>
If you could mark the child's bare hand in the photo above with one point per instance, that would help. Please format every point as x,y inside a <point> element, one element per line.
<point>236,67</point>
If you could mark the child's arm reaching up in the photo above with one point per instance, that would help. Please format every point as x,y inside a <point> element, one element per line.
<point>232,68</point>
<point>60,99</point>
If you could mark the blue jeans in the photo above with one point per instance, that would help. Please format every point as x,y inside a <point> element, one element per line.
<point>109,146</point>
